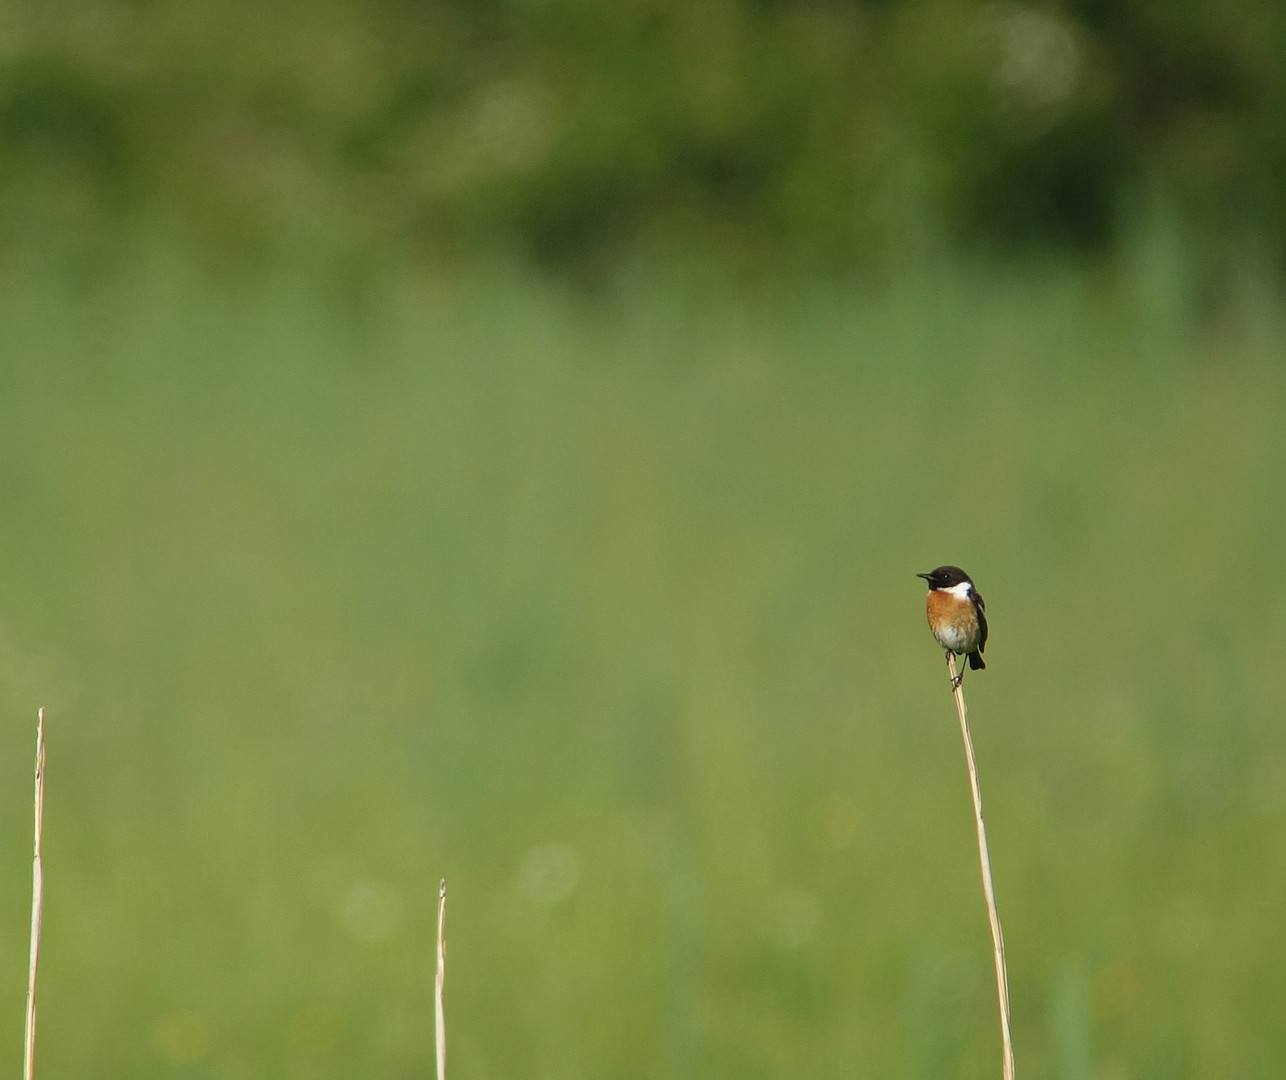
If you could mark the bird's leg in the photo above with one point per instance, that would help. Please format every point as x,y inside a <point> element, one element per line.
<point>958,679</point>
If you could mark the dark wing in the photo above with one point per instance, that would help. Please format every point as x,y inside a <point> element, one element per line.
<point>980,608</point>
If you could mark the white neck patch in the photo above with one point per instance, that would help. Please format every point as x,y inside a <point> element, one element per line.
<point>961,591</point>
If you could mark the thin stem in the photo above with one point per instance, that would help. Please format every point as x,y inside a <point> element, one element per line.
<point>439,1016</point>
<point>37,903</point>
<point>989,890</point>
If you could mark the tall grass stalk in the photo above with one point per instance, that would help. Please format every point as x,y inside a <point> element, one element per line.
<point>439,1016</point>
<point>988,888</point>
<point>37,903</point>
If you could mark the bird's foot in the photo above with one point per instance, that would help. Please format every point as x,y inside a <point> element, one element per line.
<point>957,679</point>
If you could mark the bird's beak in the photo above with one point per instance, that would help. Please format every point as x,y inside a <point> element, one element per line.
<point>925,576</point>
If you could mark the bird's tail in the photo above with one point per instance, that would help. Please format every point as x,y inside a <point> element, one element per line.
<point>975,661</point>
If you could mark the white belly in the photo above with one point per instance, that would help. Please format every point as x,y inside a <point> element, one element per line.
<point>957,638</point>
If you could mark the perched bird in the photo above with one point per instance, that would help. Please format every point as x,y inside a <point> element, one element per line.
<point>956,615</point>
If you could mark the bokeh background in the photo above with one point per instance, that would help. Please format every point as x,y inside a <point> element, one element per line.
<point>497,441</point>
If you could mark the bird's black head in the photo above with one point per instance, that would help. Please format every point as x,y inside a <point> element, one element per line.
<point>945,576</point>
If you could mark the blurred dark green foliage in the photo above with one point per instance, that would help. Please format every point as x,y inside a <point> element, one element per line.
<point>822,133</point>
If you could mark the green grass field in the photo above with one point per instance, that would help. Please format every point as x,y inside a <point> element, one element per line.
<point>603,606</point>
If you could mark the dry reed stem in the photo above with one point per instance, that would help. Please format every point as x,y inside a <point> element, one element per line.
<point>984,859</point>
<point>439,1016</point>
<point>37,903</point>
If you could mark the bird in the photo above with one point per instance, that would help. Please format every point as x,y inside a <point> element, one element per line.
<point>957,615</point>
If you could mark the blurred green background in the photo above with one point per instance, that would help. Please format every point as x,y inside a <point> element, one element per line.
<point>497,441</point>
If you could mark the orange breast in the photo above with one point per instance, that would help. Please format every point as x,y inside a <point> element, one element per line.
<point>953,622</point>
